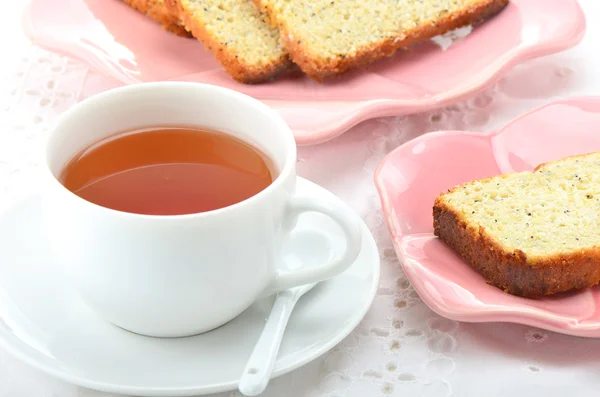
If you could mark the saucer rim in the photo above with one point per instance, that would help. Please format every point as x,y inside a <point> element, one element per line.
<point>6,334</point>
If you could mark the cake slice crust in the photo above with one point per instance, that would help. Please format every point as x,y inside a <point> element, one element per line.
<point>328,38</point>
<point>237,33</point>
<point>531,234</point>
<point>157,10</point>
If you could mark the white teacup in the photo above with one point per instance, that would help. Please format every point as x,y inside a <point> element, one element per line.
<point>171,276</point>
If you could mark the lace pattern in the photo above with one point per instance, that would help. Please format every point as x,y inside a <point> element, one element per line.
<point>401,348</point>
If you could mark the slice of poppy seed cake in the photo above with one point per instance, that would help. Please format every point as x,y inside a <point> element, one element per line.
<point>327,38</point>
<point>157,10</point>
<point>236,32</point>
<point>529,233</point>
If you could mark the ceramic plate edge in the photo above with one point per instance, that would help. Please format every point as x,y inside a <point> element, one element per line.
<point>386,108</point>
<point>486,315</point>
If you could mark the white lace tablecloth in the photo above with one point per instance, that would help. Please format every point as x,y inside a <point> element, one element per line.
<point>401,348</point>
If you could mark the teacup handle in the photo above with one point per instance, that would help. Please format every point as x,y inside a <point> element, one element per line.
<point>349,224</point>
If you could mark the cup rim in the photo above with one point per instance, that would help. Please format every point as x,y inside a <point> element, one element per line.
<point>280,125</point>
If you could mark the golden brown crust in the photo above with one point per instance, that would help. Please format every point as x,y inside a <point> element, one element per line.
<point>320,69</point>
<point>239,71</point>
<point>160,13</point>
<point>513,272</point>
<point>575,156</point>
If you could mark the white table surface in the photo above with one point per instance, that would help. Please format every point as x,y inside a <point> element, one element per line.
<point>401,348</point>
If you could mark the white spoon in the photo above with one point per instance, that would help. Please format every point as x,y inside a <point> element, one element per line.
<point>261,363</point>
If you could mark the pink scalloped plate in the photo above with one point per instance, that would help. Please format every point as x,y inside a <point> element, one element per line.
<point>410,178</point>
<point>123,44</point>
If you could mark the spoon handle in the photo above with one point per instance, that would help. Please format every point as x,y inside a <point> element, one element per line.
<point>261,363</point>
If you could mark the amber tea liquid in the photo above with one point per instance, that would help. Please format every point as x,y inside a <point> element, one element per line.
<point>168,171</point>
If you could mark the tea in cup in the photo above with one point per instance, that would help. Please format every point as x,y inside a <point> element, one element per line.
<point>167,205</point>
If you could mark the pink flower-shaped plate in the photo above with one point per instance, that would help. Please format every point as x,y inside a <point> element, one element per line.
<point>411,177</point>
<point>119,42</point>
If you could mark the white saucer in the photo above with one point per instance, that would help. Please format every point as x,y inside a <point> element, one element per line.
<point>44,323</point>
